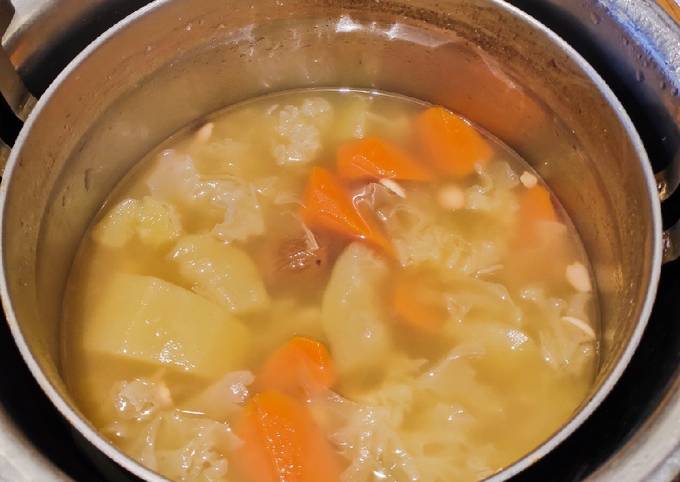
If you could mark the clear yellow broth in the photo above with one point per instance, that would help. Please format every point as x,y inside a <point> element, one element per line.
<point>200,265</point>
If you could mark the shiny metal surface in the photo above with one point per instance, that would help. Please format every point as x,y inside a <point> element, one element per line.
<point>634,44</point>
<point>13,89</point>
<point>105,102</point>
<point>11,86</point>
<point>45,35</point>
<point>648,69</point>
<point>6,14</point>
<point>20,460</point>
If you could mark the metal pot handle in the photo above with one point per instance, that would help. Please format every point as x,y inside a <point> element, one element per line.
<point>12,87</point>
<point>667,182</point>
<point>671,243</point>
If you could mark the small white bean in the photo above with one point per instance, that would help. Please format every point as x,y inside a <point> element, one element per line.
<point>581,325</point>
<point>451,197</point>
<point>489,270</point>
<point>164,395</point>
<point>528,180</point>
<point>394,187</point>
<point>204,133</point>
<point>578,277</point>
<point>310,239</point>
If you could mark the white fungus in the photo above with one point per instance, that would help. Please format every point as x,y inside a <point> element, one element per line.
<point>528,180</point>
<point>451,197</point>
<point>578,277</point>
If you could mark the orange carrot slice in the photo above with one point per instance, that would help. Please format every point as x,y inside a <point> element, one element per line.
<point>328,205</point>
<point>299,367</point>
<point>454,147</point>
<point>536,205</point>
<point>538,250</point>
<point>281,443</point>
<point>417,304</point>
<point>375,158</point>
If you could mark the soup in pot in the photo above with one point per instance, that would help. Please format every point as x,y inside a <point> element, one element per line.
<point>330,285</point>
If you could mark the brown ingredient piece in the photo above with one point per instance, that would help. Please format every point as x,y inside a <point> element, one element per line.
<point>296,255</point>
<point>302,260</point>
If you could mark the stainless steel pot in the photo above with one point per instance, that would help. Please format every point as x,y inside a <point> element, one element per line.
<point>174,61</point>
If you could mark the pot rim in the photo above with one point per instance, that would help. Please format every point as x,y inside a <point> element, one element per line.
<point>84,427</point>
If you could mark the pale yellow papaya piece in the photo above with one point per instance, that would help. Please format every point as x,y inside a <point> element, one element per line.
<point>146,319</point>
<point>222,273</point>
<point>152,221</point>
